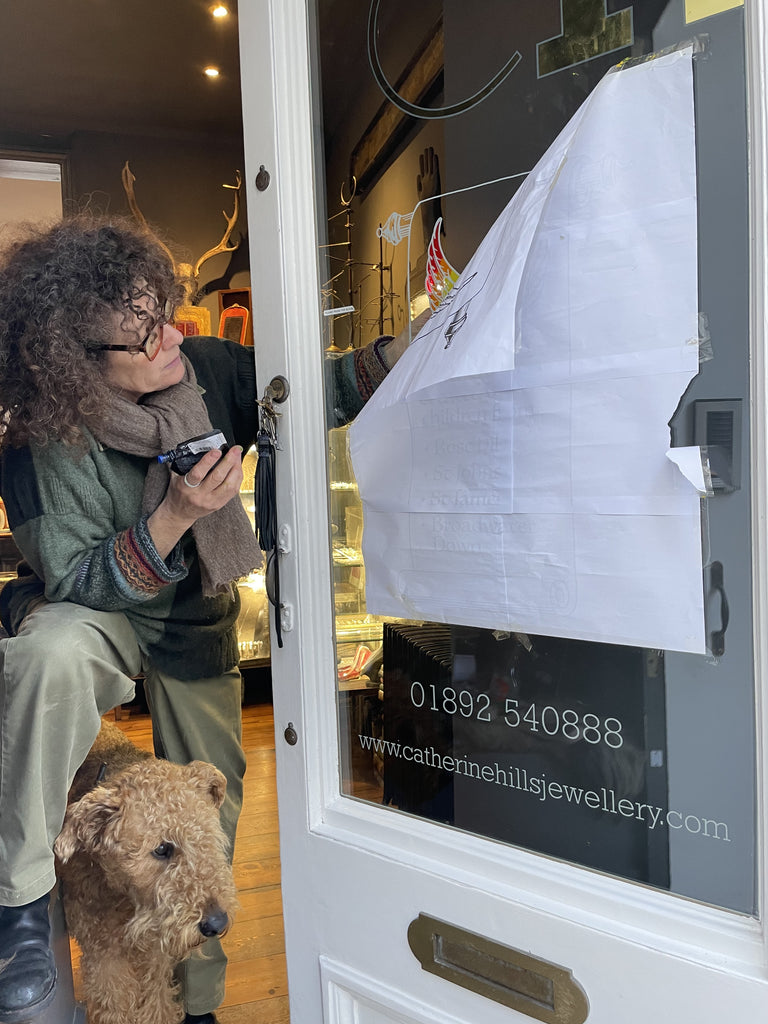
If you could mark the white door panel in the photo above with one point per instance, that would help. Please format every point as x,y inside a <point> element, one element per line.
<point>624,978</point>
<point>353,998</point>
<point>355,875</point>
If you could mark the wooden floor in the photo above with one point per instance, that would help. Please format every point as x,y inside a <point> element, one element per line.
<point>257,987</point>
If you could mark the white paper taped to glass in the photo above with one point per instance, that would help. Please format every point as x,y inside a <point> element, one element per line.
<point>513,466</point>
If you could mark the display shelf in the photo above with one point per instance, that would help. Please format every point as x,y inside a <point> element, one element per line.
<point>359,628</point>
<point>253,621</point>
<point>249,662</point>
<point>360,684</point>
<point>343,555</point>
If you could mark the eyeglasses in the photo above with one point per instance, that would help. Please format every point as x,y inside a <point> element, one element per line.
<point>152,341</point>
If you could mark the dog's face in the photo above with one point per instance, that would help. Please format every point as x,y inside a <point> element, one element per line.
<point>155,838</point>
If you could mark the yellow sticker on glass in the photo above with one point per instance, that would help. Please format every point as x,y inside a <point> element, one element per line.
<point>697,9</point>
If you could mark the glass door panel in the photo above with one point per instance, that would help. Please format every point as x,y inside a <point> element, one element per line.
<point>629,760</point>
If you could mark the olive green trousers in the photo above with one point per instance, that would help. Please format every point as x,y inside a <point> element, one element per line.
<point>67,667</point>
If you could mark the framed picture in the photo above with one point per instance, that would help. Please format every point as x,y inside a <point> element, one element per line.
<point>241,298</point>
<point>233,323</point>
<point>192,320</point>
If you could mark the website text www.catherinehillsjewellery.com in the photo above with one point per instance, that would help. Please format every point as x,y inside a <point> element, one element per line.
<point>542,788</point>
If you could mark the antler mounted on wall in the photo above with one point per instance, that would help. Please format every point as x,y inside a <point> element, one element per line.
<point>186,270</point>
<point>231,221</point>
<point>128,179</point>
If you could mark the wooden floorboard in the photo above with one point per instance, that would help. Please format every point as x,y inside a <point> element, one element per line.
<point>257,984</point>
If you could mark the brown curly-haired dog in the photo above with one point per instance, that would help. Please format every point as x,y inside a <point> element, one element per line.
<point>146,876</point>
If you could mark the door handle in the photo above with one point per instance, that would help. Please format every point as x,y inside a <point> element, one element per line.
<point>508,976</point>
<point>717,586</point>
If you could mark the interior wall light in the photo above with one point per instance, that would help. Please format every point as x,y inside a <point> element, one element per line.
<point>220,11</point>
<point>211,72</point>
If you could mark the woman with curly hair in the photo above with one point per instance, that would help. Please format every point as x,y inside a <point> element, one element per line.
<point>125,573</point>
<point>129,568</point>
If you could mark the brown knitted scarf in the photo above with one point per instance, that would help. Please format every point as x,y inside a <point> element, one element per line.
<point>226,544</point>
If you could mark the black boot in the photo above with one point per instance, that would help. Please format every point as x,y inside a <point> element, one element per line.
<point>201,1018</point>
<point>27,967</point>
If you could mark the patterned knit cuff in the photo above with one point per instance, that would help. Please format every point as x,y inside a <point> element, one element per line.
<point>370,366</point>
<point>139,563</point>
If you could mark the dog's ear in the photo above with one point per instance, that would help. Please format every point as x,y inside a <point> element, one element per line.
<point>209,779</point>
<point>87,823</point>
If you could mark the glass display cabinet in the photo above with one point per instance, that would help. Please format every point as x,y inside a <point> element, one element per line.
<point>359,635</point>
<point>356,630</point>
<point>253,622</point>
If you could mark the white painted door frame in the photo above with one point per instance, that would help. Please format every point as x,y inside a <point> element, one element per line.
<point>354,874</point>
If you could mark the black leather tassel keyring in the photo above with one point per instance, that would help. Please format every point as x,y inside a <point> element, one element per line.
<point>265,492</point>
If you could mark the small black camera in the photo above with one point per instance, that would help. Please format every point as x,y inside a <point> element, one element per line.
<point>187,454</point>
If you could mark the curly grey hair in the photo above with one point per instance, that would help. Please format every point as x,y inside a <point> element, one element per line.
<point>60,288</point>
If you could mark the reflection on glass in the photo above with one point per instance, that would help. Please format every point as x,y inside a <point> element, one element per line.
<point>634,762</point>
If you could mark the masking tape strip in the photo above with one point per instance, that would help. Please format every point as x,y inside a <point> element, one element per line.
<point>699,44</point>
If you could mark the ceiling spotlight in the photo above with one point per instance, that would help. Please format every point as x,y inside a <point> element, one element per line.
<point>211,72</point>
<point>220,11</point>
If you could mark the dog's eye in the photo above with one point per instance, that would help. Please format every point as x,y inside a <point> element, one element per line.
<point>164,851</point>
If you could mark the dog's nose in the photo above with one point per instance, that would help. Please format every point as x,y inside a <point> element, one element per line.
<point>214,923</point>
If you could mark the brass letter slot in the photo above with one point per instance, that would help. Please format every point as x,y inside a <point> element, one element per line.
<point>508,976</point>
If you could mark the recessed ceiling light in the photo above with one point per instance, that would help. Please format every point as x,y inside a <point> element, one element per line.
<point>211,72</point>
<point>220,11</point>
